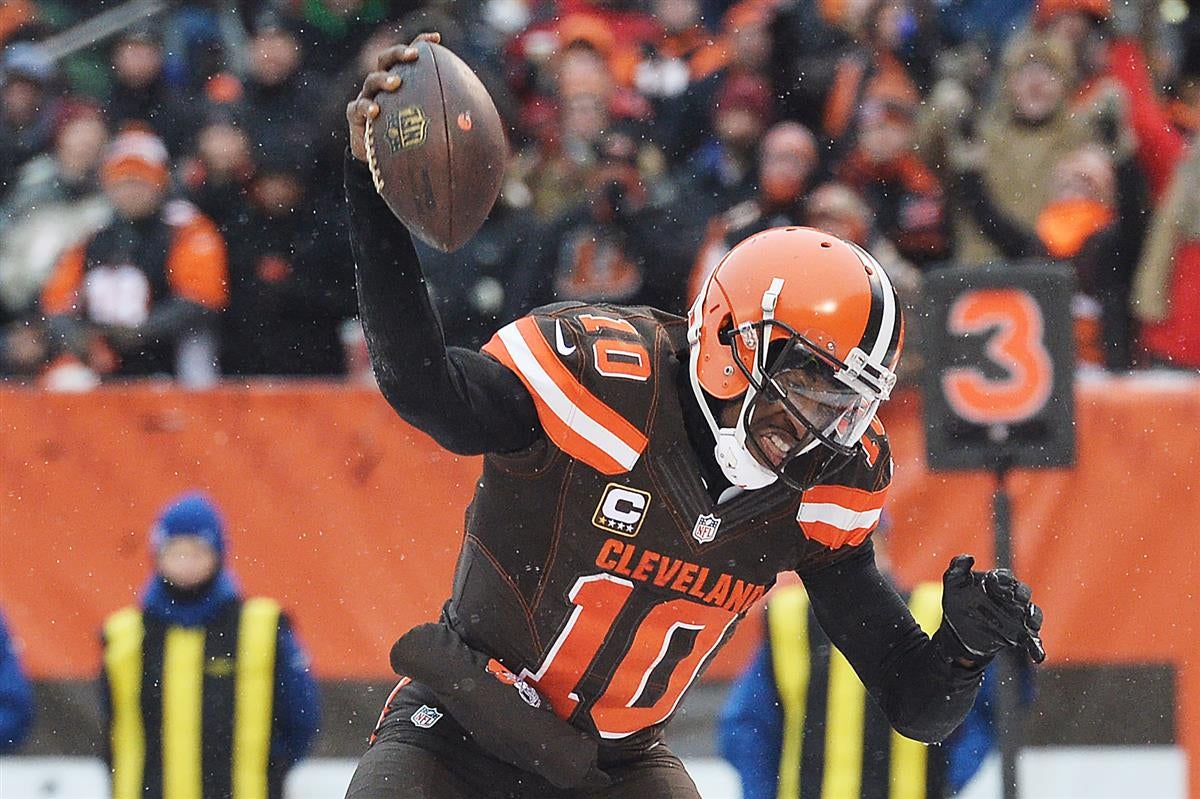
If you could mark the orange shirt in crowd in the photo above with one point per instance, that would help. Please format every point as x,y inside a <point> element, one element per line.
<point>196,266</point>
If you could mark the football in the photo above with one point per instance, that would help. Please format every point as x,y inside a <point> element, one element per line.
<point>437,149</point>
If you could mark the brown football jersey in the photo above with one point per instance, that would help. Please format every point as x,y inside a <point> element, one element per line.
<point>596,563</point>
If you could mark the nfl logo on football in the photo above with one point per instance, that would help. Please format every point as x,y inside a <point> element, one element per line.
<point>706,528</point>
<point>426,716</point>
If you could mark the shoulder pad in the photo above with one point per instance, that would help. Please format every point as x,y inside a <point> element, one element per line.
<point>589,370</point>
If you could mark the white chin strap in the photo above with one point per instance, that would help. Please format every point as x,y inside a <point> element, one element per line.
<point>738,465</point>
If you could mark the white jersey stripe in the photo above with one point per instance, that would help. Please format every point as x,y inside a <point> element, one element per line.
<point>560,404</point>
<point>837,516</point>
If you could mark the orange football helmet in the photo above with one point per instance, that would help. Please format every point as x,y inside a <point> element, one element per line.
<point>806,328</point>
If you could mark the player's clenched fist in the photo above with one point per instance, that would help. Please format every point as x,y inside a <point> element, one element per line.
<point>988,611</point>
<point>364,107</point>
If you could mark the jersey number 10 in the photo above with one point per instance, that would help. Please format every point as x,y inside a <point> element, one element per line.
<point>655,669</point>
<point>616,356</point>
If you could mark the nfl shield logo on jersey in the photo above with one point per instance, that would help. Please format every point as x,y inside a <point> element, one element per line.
<point>426,716</point>
<point>528,693</point>
<point>706,528</point>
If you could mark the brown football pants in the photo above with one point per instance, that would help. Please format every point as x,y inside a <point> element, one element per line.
<point>407,760</point>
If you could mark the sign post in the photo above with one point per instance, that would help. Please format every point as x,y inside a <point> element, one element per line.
<point>998,394</point>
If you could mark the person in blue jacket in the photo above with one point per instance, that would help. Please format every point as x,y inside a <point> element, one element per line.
<point>16,695</point>
<point>798,723</point>
<point>205,693</point>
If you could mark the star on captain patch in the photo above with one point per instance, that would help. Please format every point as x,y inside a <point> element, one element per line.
<point>706,528</point>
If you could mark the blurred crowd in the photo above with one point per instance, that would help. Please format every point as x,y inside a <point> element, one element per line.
<point>170,195</point>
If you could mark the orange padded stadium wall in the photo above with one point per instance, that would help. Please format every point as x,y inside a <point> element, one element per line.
<point>353,520</point>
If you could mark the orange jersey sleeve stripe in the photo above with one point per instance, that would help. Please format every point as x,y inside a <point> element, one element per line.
<point>839,515</point>
<point>559,432</point>
<point>575,419</point>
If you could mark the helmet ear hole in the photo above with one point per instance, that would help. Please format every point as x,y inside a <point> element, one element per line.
<point>725,331</point>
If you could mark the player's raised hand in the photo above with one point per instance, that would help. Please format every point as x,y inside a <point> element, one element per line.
<point>988,611</point>
<point>364,107</point>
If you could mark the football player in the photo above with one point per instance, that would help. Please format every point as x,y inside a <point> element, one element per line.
<point>646,478</point>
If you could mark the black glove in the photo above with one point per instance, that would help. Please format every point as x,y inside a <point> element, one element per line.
<point>988,611</point>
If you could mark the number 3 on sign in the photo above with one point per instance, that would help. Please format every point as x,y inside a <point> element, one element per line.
<point>1016,344</point>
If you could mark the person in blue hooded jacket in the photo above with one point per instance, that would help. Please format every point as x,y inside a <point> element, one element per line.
<point>16,695</point>
<point>798,723</point>
<point>205,693</point>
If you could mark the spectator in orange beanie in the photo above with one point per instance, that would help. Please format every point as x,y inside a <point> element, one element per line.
<point>140,296</point>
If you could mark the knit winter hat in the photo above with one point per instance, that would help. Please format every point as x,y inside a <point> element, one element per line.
<point>137,155</point>
<point>192,513</point>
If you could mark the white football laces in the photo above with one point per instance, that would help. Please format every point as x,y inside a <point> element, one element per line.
<point>372,161</point>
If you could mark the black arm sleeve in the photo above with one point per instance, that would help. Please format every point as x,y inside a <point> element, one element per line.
<point>1009,236</point>
<point>1133,212</point>
<point>468,402</point>
<point>923,692</point>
